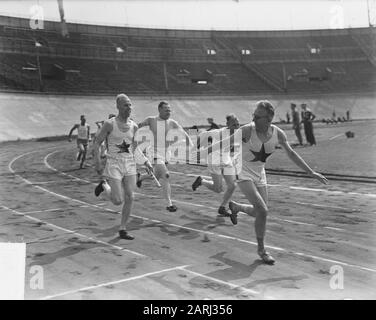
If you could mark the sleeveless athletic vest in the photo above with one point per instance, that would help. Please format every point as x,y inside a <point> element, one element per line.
<point>82,131</point>
<point>119,142</point>
<point>255,152</point>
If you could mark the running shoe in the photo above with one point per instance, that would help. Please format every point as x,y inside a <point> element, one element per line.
<point>172,208</point>
<point>99,188</point>
<point>234,213</point>
<point>139,182</point>
<point>266,257</point>
<point>222,211</point>
<point>123,234</point>
<point>196,183</point>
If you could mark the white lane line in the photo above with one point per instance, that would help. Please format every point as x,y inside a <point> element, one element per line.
<point>182,268</point>
<point>332,228</point>
<point>231,285</point>
<point>72,232</point>
<point>326,206</point>
<point>363,194</point>
<point>56,209</point>
<point>297,222</point>
<point>48,238</point>
<point>46,210</point>
<point>291,187</point>
<point>338,135</point>
<point>335,261</point>
<point>55,226</point>
<point>233,238</point>
<point>334,192</point>
<point>188,174</point>
<point>113,282</point>
<point>47,182</point>
<point>313,225</point>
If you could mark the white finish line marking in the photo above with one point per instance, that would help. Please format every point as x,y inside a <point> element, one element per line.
<point>113,282</point>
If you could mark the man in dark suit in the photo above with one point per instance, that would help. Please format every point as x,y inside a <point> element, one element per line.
<point>296,123</point>
<point>307,119</point>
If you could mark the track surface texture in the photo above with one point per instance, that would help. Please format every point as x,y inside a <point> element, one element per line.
<point>312,230</point>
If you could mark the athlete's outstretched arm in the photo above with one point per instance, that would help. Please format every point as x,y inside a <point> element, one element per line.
<point>181,129</point>
<point>298,160</point>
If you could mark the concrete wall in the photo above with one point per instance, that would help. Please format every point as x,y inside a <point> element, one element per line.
<point>26,116</point>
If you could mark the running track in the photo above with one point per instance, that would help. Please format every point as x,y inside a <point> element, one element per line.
<point>191,254</point>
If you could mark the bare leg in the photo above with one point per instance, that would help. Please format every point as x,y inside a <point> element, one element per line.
<point>83,158</point>
<point>80,151</point>
<point>115,192</point>
<point>161,173</point>
<point>231,186</point>
<point>259,208</point>
<point>215,185</point>
<point>129,183</point>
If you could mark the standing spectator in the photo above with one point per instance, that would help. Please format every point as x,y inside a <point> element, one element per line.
<point>288,117</point>
<point>296,123</point>
<point>213,125</point>
<point>307,119</point>
<point>348,115</point>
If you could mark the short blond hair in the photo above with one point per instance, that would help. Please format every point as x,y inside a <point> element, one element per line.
<point>122,97</point>
<point>267,106</point>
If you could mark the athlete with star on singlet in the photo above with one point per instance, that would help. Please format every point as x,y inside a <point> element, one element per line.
<point>122,156</point>
<point>259,140</point>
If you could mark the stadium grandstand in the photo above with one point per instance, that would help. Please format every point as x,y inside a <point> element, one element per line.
<point>106,60</point>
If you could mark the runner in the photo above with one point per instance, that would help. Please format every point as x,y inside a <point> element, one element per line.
<point>220,165</point>
<point>160,126</point>
<point>122,155</point>
<point>259,140</point>
<point>83,138</point>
